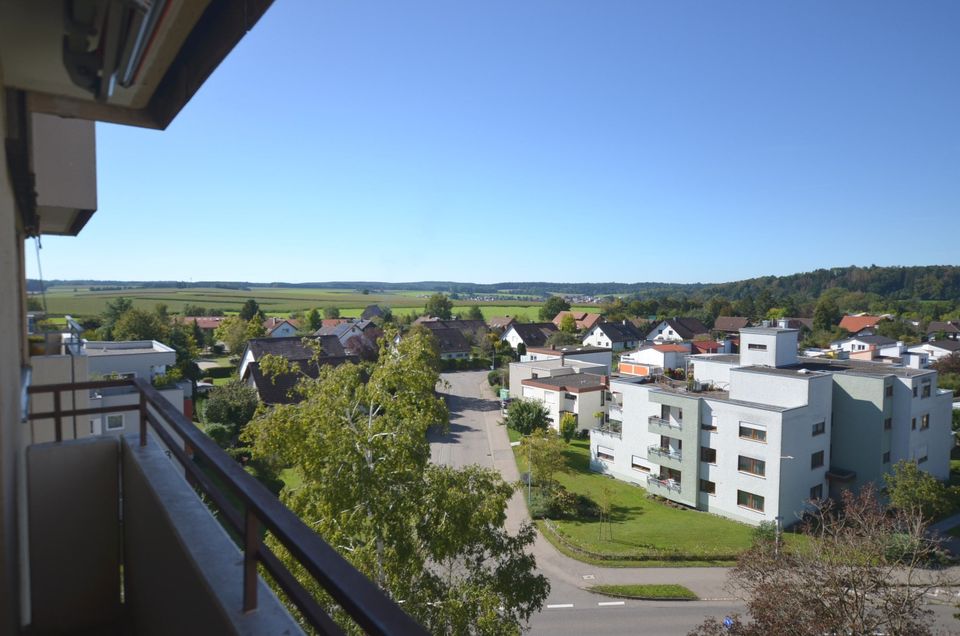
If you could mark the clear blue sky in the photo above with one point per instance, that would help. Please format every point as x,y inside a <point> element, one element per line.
<point>545,140</point>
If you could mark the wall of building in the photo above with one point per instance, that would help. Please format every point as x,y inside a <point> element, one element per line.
<point>767,388</point>
<point>144,365</point>
<point>859,439</point>
<point>12,343</point>
<point>630,461</point>
<point>61,369</point>
<point>709,370</point>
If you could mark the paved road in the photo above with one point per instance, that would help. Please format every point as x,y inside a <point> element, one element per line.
<point>477,437</point>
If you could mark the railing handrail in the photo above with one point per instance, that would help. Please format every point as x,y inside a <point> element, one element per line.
<point>669,484</point>
<point>366,603</point>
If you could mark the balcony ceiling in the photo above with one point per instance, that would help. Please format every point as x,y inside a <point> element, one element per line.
<point>190,39</point>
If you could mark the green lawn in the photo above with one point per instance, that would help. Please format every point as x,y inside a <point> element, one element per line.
<point>664,591</point>
<point>643,531</point>
<point>291,478</point>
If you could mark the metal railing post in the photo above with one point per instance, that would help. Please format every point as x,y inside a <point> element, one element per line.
<point>58,418</point>
<point>143,419</point>
<point>251,547</point>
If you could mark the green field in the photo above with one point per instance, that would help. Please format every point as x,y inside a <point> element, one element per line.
<point>80,301</point>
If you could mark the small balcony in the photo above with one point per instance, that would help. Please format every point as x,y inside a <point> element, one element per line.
<point>663,425</point>
<point>663,487</point>
<point>615,411</point>
<point>156,560</point>
<point>612,428</point>
<point>667,457</point>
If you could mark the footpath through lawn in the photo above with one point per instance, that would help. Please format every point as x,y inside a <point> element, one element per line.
<point>642,531</point>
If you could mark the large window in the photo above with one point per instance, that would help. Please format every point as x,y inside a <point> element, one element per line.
<point>708,455</point>
<point>753,466</point>
<point>708,487</point>
<point>114,422</point>
<point>924,422</point>
<point>926,390</point>
<point>636,463</point>
<point>605,454</point>
<point>819,428</point>
<point>750,500</point>
<point>757,347</point>
<point>816,459</point>
<point>752,432</point>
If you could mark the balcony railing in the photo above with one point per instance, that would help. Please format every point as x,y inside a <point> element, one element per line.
<point>259,510</point>
<point>665,452</point>
<point>612,428</point>
<point>669,484</point>
<point>662,421</point>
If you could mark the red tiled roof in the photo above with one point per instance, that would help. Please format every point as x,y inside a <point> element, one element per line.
<point>853,324</point>
<point>706,346</point>
<point>204,322</point>
<point>669,348</point>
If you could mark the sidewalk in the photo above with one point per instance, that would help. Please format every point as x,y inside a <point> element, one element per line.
<point>707,583</point>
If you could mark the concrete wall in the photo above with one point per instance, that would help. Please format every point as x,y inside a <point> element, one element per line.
<point>779,346</point>
<point>773,389</point>
<point>183,573</point>
<point>12,345</point>
<point>859,438</point>
<point>62,369</point>
<point>74,535</point>
<point>144,365</point>
<point>709,370</point>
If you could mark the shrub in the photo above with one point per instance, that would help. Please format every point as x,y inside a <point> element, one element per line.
<point>221,372</point>
<point>568,427</point>
<point>525,416</point>
<point>222,435</point>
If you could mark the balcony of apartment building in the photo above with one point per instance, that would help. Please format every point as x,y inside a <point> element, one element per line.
<point>666,483</point>
<point>668,454</point>
<point>161,532</point>
<point>615,406</point>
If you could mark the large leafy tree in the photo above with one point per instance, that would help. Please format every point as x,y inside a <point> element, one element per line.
<point>233,405</point>
<point>250,310</point>
<point>553,306</point>
<point>439,306</point>
<point>432,537</point>
<point>137,324</point>
<point>912,489</point>
<point>526,416</point>
<point>234,332</point>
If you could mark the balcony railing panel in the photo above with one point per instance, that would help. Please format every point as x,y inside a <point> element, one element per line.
<point>665,452</point>
<point>667,484</point>
<point>363,601</point>
<point>662,421</point>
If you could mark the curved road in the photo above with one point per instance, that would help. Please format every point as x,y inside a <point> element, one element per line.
<point>477,437</point>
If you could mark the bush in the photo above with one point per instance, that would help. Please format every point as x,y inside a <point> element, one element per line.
<point>221,372</point>
<point>222,435</point>
<point>765,533</point>
<point>525,416</point>
<point>217,349</point>
<point>493,378</point>
<point>568,427</point>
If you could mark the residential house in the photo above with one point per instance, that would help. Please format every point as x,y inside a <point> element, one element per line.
<point>652,360</point>
<point>533,334</point>
<point>937,349</point>
<point>582,394</point>
<point>327,323</point>
<point>452,343</point>
<point>796,323</point>
<point>207,324</point>
<point>584,321</point>
<point>281,327</point>
<point>867,345</point>
<point>278,389</point>
<point>549,368</point>
<point>63,67</point>
<point>500,323</point>
<point>944,329</point>
<point>730,325</point>
<point>678,330</point>
<point>862,324</point>
<point>710,346</point>
<point>758,435</point>
<point>593,355</point>
<point>372,311</point>
<point>616,336</point>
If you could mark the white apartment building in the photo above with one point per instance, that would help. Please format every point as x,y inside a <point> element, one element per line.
<point>549,367</point>
<point>755,436</point>
<point>584,395</point>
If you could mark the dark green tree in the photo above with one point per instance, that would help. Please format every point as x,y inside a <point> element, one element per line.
<point>314,321</point>
<point>553,306</point>
<point>526,416</point>
<point>233,405</point>
<point>250,309</point>
<point>826,315</point>
<point>439,306</point>
<point>474,313</point>
<point>331,312</point>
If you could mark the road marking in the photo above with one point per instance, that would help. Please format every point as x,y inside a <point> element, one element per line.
<point>514,443</point>
<point>611,603</point>
<point>560,606</point>
<point>589,577</point>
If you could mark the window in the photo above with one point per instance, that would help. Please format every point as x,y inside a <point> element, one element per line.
<point>924,422</point>
<point>889,391</point>
<point>750,432</point>
<point>886,457</point>
<point>605,454</point>
<point>636,463</point>
<point>757,347</point>
<point>712,426</point>
<point>913,424</point>
<point>571,396</point>
<point>914,390</point>
<point>816,493</point>
<point>752,466</point>
<point>708,487</point>
<point>679,415</point>
<point>819,428</point>
<point>603,395</point>
<point>114,422</point>
<point>926,390</point>
<point>816,459</point>
<point>750,500</point>
<point>888,424</point>
<point>708,455</point>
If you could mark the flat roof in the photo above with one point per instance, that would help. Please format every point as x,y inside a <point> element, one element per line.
<point>724,358</point>
<point>568,349</point>
<point>863,367</point>
<point>570,382</point>
<point>117,348</point>
<point>767,330</point>
<point>793,371</point>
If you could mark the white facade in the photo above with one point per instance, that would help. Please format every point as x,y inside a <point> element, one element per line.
<point>762,447</point>
<point>572,354</point>
<point>512,337</point>
<point>136,358</point>
<point>584,404</point>
<point>283,330</point>
<point>551,368</point>
<point>598,337</point>
<point>664,333</point>
<point>933,350</point>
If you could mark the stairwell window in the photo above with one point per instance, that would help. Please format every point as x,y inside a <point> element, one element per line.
<point>888,424</point>
<point>925,392</point>
<point>708,455</point>
<point>925,422</point>
<point>819,428</point>
<point>757,347</point>
<point>708,487</point>
<point>816,493</point>
<point>816,460</point>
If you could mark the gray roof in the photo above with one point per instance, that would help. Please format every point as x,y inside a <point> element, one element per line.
<point>730,323</point>
<point>292,347</point>
<point>570,381</point>
<point>534,334</point>
<point>880,341</point>
<point>451,340</point>
<point>618,331</point>
<point>687,328</point>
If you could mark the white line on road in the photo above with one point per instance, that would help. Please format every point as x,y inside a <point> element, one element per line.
<point>611,603</point>
<point>514,443</point>
<point>560,606</point>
